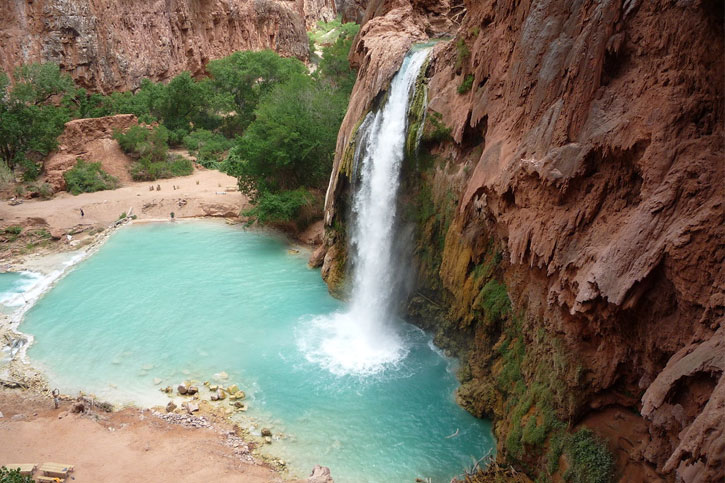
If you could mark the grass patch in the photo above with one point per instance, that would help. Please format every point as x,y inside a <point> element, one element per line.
<point>589,458</point>
<point>462,53</point>
<point>466,85</point>
<point>494,300</point>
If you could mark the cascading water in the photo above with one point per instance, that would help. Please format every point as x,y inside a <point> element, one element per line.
<point>362,340</point>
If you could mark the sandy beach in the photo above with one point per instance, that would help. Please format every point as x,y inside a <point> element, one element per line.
<point>204,193</point>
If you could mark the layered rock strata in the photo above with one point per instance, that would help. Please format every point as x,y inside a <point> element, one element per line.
<point>109,46</point>
<point>573,155</point>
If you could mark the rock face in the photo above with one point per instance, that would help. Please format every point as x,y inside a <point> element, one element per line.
<point>107,45</point>
<point>91,140</point>
<point>582,172</point>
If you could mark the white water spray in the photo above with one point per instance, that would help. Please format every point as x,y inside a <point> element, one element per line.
<point>362,340</point>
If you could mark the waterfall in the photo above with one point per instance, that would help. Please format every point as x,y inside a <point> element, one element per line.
<point>363,340</point>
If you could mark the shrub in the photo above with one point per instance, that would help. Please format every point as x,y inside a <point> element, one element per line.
<point>13,230</point>
<point>279,207</point>
<point>140,142</point>
<point>44,190</point>
<point>466,85</point>
<point>208,147</point>
<point>13,476</point>
<point>87,177</point>
<point>146,169</point>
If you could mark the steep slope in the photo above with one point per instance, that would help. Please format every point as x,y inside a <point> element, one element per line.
<point>568,205</point>
<point>108,45</point>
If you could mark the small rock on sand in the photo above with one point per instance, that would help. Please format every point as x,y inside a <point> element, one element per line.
<point>182,389</point>
<point>191,390</point>
<point>266,432</point>
<point>320,474</point>
<point>170,407</point>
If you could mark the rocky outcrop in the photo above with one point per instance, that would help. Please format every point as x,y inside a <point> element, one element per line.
<point>108,46</point>
<point>91,140</point>
<point>351,10</point>
<point>577,169</point>
<point>313,11</point>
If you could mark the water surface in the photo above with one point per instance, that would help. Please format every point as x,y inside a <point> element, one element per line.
<point>163,303</point>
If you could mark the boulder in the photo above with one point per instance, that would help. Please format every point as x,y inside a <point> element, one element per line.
<point>320,474</point>
<point>182,389</point>
<point>78,407</point>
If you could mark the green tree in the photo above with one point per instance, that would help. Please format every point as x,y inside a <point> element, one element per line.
<point>291,143</point>
<point>241,79</point>
<point>335,65</point>
<point>29,121</point>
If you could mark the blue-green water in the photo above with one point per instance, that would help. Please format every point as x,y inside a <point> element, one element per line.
<point>183,301</point>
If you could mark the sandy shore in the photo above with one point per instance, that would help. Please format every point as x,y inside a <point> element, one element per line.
<point>204,193</point>
<point>122,446</point>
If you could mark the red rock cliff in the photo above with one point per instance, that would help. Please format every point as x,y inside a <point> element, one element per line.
<point>588,154</point>
<point>107,45</point>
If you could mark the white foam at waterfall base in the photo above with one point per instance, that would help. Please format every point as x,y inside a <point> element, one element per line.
<point>364,340</point>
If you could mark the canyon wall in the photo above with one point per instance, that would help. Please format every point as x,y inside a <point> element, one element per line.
<point>108,46</point>
<point>567,200</point>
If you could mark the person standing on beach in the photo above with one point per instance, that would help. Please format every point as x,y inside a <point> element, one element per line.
<point>82,214</point>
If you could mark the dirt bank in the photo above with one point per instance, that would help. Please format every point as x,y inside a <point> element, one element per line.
<point>129,445</point>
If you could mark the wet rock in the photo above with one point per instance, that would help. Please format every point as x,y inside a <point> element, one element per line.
<point>266,432</point>
<point>221,395</point>
<point>170,407</point>
<point>268,439</point>
<point>214,397</point>
<point>167,389</point>
<point>238,395</point>
<point>182,389</point>
<point>213,387</point>
<point>232,389</point>
<point>191,390</point>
